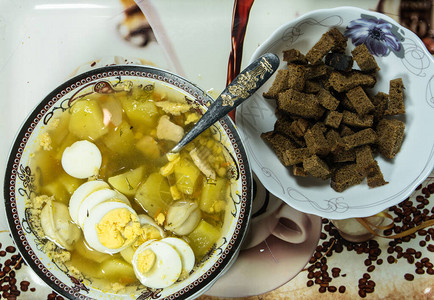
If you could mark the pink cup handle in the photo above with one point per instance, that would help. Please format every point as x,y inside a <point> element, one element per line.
<point>293,225</point>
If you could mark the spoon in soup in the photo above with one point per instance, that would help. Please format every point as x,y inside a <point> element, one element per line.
<point>240,89</point>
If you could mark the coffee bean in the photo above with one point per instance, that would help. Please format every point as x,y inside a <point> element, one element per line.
<point>2,253</point>
<point>10,249</point>
<point>379,261</point>
<point>371,268</point>
<point>430,247</point>
<point>322,289</point>
<point>309,283</point>
<point>332,289</point>
<point>420,271</point>
<point>362,293</point>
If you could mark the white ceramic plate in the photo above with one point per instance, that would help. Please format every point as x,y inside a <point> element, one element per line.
<point>406,58</point>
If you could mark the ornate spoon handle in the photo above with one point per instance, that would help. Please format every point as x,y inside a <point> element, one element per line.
<point>240,89</point>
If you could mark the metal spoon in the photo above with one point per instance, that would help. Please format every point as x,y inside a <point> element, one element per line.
<point>239,90</point>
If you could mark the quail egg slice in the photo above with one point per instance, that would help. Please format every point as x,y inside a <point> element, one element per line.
<point>185,252</point>
<point>58,226</point>
<point>81,193</point>
<point>96,198</point>
<point>82,159</point>
<point>111,227</point>
<point>157,264</point>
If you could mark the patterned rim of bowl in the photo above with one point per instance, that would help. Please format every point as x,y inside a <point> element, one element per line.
<point>19,184</point>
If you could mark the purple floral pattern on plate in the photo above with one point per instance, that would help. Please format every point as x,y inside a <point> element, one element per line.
<point>377,34</point>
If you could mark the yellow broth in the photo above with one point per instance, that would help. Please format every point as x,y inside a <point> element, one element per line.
<point>132,147</point>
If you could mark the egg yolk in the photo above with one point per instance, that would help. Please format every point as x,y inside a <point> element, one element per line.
<point>117,228</point>
<point>145,261</point>
<point>149,232</point>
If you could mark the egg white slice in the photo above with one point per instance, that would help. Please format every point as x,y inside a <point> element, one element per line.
<point>95,216</point>
<point>147,220</point>
<point>184,250</point>
<point>81,193</point>
<point>82,159</point>
<point>96,198</point>
<point>166,269</point>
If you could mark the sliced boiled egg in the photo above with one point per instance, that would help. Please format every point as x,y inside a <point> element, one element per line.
<point>184,251</point>
<point>96,198</point>
<point>150,227</point>
<point>82,159</point>
<point>157,264</point>
<point>111,226</point>
<point>150,231</point>
<point>81,193</point>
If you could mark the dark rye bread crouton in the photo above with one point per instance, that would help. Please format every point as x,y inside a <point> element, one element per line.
<point>298,127</point>
<point>299,171</point>
<point>297,77</point>
<point>355,120</point>
<point>293,56</point>
<point>380,103</point>
<point>279,143</point>
<point>346,104</point>
<point>345,176</point>
<point>345,130</point>
<point>284,126</point>
<point>300,104</point>
<point>395,106</point>
<point>360,101</point>
<point>316,71</point>
<point>362,137</point>
<point>390,135</point>
<point>296,156</point>
<point>279,84</point>
<point>312,87</point>
<point>375,176</point>
<point>316,141</point>
<point>345,82</point>
<point>364,159</point>
<point>344,156</point>
<point>331,40</point>
<point>364,59</point>
<point>316,167</point>
<point>333,119</point>
<point>334,140</point>
<point>327,100</point>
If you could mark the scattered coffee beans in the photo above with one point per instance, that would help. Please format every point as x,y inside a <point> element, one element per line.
<point>408,214</point>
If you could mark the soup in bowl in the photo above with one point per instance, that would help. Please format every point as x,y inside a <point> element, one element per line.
<point>100,208</point>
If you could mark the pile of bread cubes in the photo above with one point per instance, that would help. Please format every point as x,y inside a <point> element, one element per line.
<point>329,125</point>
